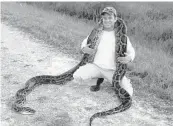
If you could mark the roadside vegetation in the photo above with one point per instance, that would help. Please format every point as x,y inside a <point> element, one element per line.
<point>65,25</point>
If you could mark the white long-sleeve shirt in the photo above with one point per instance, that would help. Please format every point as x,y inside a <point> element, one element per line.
<point>105,55</point>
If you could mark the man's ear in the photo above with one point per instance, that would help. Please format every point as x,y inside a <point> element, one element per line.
<point>101,20</point>
<point>115,19</point>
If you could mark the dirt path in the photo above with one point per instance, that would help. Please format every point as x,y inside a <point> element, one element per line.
<point>68,105</point>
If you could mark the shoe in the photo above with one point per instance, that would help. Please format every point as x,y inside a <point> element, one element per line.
<point>94,88</point>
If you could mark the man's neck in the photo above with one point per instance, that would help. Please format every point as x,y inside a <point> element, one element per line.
<point>109,29</point>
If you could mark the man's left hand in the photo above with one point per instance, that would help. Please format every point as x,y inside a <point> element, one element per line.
<point>125,59</point>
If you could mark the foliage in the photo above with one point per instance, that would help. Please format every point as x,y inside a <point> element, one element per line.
<point>146,21</point>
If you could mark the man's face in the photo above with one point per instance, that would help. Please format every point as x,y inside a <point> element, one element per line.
<point>108,20</point>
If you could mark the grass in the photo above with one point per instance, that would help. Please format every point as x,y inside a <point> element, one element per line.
<point>147,20</point>
<point>151,38</point>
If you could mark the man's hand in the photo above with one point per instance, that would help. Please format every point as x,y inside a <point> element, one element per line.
<point>88,50</point>
<point>125,59</point>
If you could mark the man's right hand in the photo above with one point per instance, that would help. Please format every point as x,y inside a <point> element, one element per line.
<point>88,50</point>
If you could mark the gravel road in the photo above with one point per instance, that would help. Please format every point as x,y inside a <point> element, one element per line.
<point>68,105</point>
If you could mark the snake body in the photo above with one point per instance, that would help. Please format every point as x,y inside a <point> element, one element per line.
<point>121,45</point>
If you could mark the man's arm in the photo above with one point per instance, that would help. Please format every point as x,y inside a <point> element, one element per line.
<point>85,48</point>
<point>84,43</point>
<point>130,50</point>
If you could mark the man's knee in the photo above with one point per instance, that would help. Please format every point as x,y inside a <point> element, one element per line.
<point>81,75</point>
<point>76,75</point>
<point>130,91</point>
<point>126,84</point>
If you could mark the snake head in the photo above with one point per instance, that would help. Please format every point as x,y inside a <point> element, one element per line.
<point>27,111</point>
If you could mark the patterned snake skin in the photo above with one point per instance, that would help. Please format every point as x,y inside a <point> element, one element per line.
<point>121,43</point>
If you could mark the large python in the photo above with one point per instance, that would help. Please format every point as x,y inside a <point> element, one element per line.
<point>121,45</point>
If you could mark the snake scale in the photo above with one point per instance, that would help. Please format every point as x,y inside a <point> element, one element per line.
<point>121,45</point>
